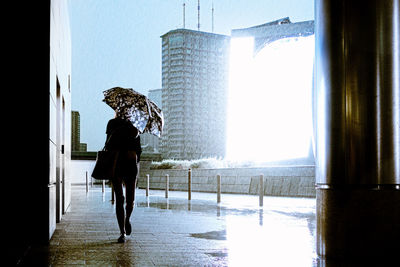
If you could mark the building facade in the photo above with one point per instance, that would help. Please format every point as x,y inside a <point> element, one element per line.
<point>75,131</point>
<point>195,68</point>
<point>58,186</point>
<point>151,143</point>
<point>155,95</point>
<point>76,144</point>
<point>263,35</point>
<point>271,31</point>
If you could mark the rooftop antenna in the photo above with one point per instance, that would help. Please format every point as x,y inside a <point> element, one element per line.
<point>212,16</point>
<point>184,14</point>
<point>198,15</point>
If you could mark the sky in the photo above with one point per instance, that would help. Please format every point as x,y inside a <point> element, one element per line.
<point>117,43</point>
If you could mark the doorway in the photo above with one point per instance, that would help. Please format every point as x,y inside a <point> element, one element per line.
<point>60,155</point>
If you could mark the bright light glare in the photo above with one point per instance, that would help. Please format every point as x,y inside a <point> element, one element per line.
<point>281,241</point>
<point>269,106</point>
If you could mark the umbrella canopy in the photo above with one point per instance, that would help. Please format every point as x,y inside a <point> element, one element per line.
<point>143,113</point>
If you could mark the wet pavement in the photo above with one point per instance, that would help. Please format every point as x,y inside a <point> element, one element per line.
<point>178,232</point>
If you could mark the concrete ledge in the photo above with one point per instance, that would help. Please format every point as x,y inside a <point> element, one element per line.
<point>294,181</point>
<point>83,155</point>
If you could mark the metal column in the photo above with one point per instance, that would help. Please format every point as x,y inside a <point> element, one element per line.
<point>357,127</point>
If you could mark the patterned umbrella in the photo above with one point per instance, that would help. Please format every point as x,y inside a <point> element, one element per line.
<point>137,108</point>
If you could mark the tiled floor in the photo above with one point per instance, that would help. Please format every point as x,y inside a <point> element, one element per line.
<point>178,232</point>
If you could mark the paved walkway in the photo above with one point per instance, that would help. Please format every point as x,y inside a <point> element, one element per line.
<point>178,232</point>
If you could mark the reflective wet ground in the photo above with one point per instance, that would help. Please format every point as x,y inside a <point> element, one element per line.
<point>178,232</point>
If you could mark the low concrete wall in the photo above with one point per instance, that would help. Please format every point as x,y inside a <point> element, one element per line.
<point>295,181</point>
<point>83,162</point>
<point>79,169</point>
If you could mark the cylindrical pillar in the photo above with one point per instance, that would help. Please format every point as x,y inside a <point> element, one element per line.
<point>190,184</point>
<point>261,190</point>
<point>166,185</point>
<point>357,127</point>
<point>218,188</point>
<point>87,182</point>
<point>112,193</point>
<point>147,184</point>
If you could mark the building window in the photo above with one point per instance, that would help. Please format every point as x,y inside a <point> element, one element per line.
<point>175,41</point>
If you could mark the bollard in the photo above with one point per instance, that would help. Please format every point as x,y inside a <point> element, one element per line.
<point>218,188</point>
<point>147,184</point>
<point>103,186</point>
<point>166,185</point>
<point>112,193</point>
<point>190,184</point>
<point>87,183</point>
<point>261,190</point>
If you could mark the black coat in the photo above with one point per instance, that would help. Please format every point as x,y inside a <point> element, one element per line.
<point>123,137</point>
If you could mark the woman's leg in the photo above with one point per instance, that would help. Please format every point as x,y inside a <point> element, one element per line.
<point>130,197</point>
<point>119,203</point>
<point>130,184</point>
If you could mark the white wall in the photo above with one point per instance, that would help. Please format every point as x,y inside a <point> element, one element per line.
<point>60,111</point>
<point>78,171</point>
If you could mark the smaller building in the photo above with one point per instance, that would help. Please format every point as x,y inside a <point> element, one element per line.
<point>151,143</point>
<point>76,144</point>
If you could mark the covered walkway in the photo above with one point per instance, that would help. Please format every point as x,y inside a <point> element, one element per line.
<point>178,232</point>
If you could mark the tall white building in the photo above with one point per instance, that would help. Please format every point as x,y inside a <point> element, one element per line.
<point>195,84</point>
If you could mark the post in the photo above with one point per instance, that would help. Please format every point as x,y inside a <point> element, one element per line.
<point>112,193</point>
<point>103,186</point>
<point>218,188</point>
<point>166,185</point>
<point>190,184</point>
<point>261,190</point>
<point>147,184</point>
<point>87,183</point>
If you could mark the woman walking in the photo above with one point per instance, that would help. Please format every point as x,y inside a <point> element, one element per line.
<point>124,138</point>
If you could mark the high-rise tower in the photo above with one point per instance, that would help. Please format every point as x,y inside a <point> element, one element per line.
<point>195,84</point>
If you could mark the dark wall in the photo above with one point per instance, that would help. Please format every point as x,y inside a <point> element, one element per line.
<point>26,129</point>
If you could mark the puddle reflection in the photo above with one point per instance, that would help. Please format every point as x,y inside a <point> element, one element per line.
<point>275,241</point>
<point>282,233</point>
<point>260,216</point>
